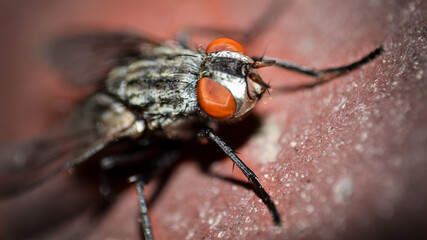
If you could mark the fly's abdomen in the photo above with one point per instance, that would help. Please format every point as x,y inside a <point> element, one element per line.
<point>105,117</point>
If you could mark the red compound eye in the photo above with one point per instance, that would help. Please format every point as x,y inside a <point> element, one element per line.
<point>215,99</point>
<point>225,44</point>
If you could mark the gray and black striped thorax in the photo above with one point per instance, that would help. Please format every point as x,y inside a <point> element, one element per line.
<point>159,86</point>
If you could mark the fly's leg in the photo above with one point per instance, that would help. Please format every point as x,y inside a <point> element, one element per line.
<point>122,160</point>
<point>250,175</point>
<point>130,157</point>
<point>261,24</point>
<point>161,164</point>
<point>143,210</point>
<point>323,73</point>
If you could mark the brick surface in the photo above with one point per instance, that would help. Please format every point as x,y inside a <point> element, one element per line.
<point>343,160</point>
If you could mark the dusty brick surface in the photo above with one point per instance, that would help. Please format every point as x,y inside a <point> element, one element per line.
<point>344,160</point>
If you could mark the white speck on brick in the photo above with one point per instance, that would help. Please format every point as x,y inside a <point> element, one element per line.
<point>343,189</point>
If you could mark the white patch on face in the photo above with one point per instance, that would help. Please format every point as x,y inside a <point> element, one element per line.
<point>236,86</point>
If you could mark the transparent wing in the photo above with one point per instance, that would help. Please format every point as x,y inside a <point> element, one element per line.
<point>99,121</point>
<point>86,58</point>
<point>26,164</point>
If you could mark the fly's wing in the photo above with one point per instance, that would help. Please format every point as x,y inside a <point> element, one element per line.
<point>85,59</point>
<point>100,121</point>
<point>24,165</point>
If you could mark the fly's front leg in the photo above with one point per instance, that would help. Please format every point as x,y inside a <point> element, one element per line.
<point>250,175</point>
<point>323,73</point>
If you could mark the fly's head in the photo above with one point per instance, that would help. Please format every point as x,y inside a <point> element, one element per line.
<point>229,85</point>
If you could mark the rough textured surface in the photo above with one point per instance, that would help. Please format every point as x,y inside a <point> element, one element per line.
<point>344,160</point>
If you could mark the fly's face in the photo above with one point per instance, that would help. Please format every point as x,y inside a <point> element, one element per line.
<point>229,84</point>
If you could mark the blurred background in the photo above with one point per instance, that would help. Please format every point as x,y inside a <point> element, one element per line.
<point>345,160</point>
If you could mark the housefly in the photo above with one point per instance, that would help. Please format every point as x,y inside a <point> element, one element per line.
<point>148,91</point>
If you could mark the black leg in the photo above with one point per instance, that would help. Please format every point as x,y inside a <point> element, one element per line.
<point>329,72</point>
<point>248,173</point>
<point>169,156</point>
<point>143,210</point>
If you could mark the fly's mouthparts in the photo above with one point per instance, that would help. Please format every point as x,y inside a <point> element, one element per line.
<point>254,76</point>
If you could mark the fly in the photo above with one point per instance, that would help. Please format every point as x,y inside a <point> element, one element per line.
<point>148,91</point>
